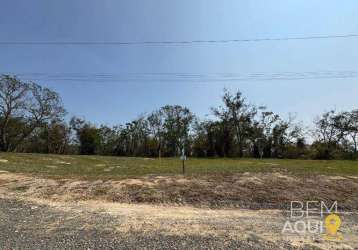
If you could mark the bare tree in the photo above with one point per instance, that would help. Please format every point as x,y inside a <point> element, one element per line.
<point>23,108</point>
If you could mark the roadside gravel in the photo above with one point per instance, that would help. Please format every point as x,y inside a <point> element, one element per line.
<point>26,225</point>
<point>33,226</point>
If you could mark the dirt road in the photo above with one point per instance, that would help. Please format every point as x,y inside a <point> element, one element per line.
<point>42,224</point>
<point>25,225</point>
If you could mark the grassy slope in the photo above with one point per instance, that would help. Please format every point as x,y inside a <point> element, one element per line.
<point>246,183</point>
<point>93,167</point>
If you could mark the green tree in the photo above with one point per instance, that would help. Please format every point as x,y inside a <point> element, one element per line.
<point>237,113</point>
<point>87,135</point>
<point>156,122</point>
<point>329,132</point>
<point>177,124</point>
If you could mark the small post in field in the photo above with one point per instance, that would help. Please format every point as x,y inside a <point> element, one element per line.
<point>260,144</point>
<point>183,158</point>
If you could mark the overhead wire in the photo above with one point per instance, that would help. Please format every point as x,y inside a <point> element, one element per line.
<point>181,76</point>
<point>171,42</point>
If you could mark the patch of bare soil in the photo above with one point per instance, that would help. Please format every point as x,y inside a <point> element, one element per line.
<point>247,190</point>
<point>240,228</point>
<point>177,206</point>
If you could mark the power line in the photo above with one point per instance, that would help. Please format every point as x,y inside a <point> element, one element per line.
<point>183,42</point>
<point>183,77</point>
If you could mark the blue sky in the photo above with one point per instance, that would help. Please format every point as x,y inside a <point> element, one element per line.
<point>156,20</point>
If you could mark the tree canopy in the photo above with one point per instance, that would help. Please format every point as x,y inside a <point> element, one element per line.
<point>32,120</point>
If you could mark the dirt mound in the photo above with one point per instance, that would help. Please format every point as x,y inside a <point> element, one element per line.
<point>254,191</point>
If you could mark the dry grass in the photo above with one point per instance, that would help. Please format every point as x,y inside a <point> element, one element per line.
<point>214,183</point>
<point>247,190</point>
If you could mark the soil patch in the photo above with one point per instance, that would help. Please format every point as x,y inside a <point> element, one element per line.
<point>247,190</point>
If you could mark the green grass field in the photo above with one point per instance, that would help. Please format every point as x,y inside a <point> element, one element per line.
<point>92,167</point>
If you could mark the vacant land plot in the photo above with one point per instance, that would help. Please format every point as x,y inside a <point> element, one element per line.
<point>104,167</point>
<point>121,200</point>
<point>215,183</point>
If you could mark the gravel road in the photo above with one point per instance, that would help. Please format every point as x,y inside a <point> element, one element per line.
<point>25,225</point>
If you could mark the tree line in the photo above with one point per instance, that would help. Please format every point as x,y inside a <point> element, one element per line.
<point>32,119</point>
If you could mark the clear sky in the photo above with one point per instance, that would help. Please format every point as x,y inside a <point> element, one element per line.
<point>157,20</point>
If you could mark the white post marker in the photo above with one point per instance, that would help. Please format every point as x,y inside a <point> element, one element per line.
<point>183,158</point>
